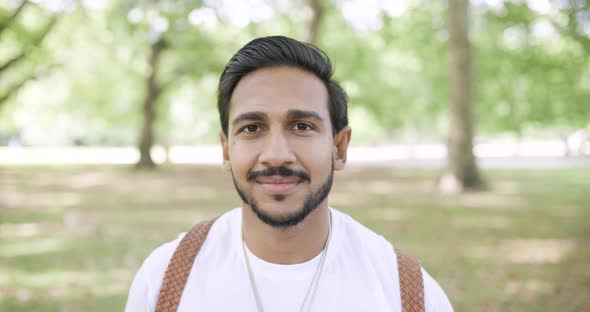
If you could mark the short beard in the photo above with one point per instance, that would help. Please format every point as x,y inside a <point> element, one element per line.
<point>311,202</point>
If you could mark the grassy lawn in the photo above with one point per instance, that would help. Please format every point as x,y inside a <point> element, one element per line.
<point>71,238</point>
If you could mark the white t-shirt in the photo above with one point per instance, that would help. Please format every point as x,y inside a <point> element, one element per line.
<point>359,274</point>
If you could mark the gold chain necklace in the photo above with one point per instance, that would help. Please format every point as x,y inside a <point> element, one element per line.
<point>314,282</point>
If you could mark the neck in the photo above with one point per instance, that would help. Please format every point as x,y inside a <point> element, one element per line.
<point>289,245</point>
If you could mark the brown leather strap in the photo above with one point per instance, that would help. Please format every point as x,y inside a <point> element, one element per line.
<point>180,266</point>
<point>411,283</point>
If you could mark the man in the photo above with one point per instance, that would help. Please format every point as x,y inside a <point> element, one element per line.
<point>284,132</point>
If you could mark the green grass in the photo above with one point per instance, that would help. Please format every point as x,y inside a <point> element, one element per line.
<point>72,237</point>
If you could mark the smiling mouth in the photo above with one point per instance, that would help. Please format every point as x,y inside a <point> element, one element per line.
<point>278,185</point>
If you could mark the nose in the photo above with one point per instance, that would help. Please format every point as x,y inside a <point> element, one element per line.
<point>276,151</point>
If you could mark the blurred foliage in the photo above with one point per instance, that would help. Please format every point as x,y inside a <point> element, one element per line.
<point>532,65</point>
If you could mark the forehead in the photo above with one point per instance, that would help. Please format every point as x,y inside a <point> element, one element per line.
<point>276,90</point>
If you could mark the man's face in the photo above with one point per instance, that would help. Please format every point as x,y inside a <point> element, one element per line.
<point>280,147</point>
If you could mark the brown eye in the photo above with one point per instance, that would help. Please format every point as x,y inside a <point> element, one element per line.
<point>302,127</point>
<point>251,128</point>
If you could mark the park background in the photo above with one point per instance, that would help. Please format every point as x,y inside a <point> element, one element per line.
<point>470,121</point>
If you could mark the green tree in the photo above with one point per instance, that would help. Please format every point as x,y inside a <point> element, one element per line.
<point>24,41</point>
<point>173,49</point>
<point>530,74</point>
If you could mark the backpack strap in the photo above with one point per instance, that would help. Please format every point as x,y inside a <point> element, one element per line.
<point>180,267</point>
<point>181,263</point>
<point>411,283</point>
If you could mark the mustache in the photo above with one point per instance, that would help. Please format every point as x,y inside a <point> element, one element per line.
<point>280,171</point>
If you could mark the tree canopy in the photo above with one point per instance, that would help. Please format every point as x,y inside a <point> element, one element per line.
<point>81,68</point>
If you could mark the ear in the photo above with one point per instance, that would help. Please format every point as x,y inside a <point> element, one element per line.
<point>341,141</point>
<point>225,148</point>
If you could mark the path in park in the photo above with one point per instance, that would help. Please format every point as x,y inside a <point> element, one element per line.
<point>503,162</point>
<point>421,156</point>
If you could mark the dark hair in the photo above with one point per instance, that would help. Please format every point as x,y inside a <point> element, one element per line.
<point>281,51</point>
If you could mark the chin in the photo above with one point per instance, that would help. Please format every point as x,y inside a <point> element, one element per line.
<point>280,209</point>
<point>281,214</point>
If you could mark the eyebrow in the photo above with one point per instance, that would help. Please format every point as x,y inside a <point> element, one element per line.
<point>303,114</point>
<point>249,116</point>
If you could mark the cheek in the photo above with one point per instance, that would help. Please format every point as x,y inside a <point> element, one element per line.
<point>317,155</point>
<point>242,158</point>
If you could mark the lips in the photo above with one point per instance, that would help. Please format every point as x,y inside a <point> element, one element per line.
<point>278,184</point>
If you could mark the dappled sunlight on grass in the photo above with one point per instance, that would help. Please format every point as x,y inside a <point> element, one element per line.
<point>9,230</point>
<point>491,200</point>
<point>22,200</point>
<point>385,187</point>
<point>566,211</point>
<point>77,221</point>
<point>31,247</point>
<point>59,285</point>
<point>88,180</point>
<point>525,251</point>
<point>48,279</point>
<point>388,214</point>
<point>342,199</point>
<point>490,222</point>
<point>528,289</point>
<point>506,188</point>
<point>72,238</point>
<point>536,250</point>
<point>195,192</point>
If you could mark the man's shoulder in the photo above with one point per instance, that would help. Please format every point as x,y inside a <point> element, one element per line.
<point>156,263</point>
<point>356,233</point>
<point>435,299</point>
<point>148,279</point>
<point>363,247</point>
<point>383,256</point>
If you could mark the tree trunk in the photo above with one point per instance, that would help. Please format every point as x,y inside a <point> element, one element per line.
<point>153,91</point>
<point>313,24</point>
<point>462,163</point>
